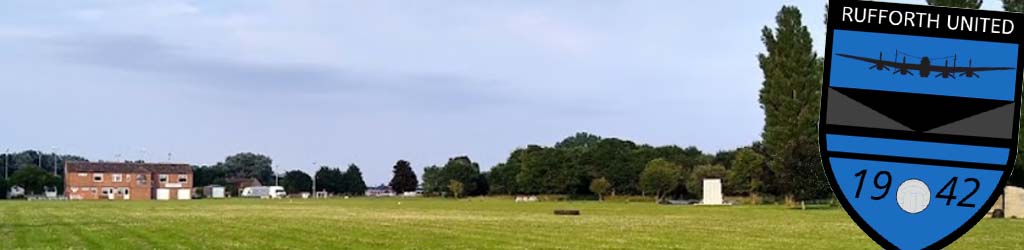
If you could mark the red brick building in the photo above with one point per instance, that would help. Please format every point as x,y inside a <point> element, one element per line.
<point>127,181</point>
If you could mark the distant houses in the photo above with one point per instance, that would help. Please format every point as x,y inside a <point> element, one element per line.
<point>127,181</point>
<point>380,191</point>
<point>386,191</point>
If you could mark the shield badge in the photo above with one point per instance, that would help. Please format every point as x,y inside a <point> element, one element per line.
<point>919,118</point>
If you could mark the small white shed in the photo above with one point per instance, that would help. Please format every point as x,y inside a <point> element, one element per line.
<point>213,192</point>
<point>712,192</point>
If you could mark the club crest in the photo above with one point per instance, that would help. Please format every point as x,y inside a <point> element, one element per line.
<point>919,119</point>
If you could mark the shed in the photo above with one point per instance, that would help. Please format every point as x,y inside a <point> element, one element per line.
<point>213,191</point>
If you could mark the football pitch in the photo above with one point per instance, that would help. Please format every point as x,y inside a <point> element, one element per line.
<point>426,223</point>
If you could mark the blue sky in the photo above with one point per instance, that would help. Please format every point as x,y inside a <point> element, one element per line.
<point>371,82</point>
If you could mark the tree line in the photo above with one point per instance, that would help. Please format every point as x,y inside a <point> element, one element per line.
<point>260,167</point>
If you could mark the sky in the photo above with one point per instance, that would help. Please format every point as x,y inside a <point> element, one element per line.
<point>372,82</point>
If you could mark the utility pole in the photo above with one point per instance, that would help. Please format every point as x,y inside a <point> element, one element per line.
<point>276,182</point>
<point>314,181</point>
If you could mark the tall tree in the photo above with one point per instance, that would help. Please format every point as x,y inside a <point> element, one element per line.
<point>404,179</point>
<point>296,181</point>
<point>464,170</point>
<point>352,181</point>
<point>330,180</point>
<point>1017,177</point>
<point>1013,5</point>
<point>747,173</point>
<point>659,177</point>
<point>790,98</point>
<point>966,4</point>
<point>433,181</point>
<point>250,165</point>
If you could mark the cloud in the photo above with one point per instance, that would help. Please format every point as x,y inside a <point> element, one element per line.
<point>148,55</point>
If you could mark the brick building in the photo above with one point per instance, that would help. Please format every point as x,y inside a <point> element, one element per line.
<point>127,181</point>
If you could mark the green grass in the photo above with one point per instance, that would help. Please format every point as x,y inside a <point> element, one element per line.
<point>439,224</point>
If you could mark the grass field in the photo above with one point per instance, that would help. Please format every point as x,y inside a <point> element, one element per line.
<point>439,224</point>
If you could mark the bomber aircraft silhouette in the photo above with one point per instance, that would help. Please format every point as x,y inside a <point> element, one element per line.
<point>925,68</point>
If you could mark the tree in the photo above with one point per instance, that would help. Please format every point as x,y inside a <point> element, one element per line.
<point>209,175</point>
<point>659,177</point>
<point>330,180</point>
<point>352,181</point>
<point>600,187</point>
<point>296,181</point>
<point>502,179</point>
<point>614,159</point>
<point>548,171</point>
<point>1013,5</point>
<point>695,182</point>
<point>967,4</point>
<point>33,179</point>
<point>1017,177</point>
<point>404,179</point>
<point>746,174</point>
<point>433,182</point>
<point>464,170</point>
<point>579,140</point>
<point>790,98</point>
<point>3,188</point>
<point>456,187</point>
<point>250,165</point>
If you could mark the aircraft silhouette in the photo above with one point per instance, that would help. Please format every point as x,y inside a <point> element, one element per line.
<point>925,68</point>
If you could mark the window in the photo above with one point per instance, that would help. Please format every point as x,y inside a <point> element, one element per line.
<point>116,177</point>
<point>182,178</point>
<point>97,177</point>
<point>163,178</point>
<point>83,174</point>
<point>141,179</point>
<point>107,191</point>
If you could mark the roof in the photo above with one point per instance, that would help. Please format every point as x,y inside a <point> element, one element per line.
<point>128,167</point>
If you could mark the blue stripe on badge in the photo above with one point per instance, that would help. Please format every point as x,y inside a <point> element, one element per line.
<point>916,149</point>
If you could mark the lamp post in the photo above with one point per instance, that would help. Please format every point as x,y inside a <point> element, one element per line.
<point>314,180</point>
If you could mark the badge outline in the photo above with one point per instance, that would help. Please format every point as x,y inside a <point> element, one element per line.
<point>822,140</point>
